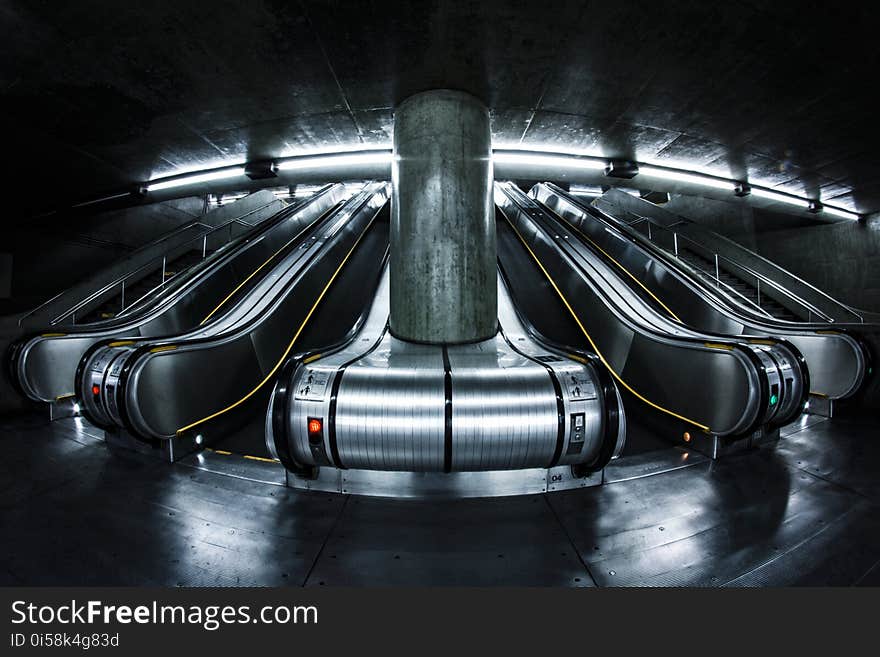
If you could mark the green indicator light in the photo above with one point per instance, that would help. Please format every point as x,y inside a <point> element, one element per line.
<point>773,400</point>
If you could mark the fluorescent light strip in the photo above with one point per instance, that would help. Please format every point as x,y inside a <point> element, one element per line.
<point>840,212</point>
<point>691,178</point>
<point>218,174</point>
<point>782,198</point>
<point>339,160</point>
<point>522,157</point>
<point>559,161</point>
<point>586,190</point>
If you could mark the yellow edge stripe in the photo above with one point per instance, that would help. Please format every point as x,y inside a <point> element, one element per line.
<point>53,335</point>
<point>258,269</point>
<point>259,458</point>
<point>295,337</point>
<point>590,340</point>
<point>770,343</point>
<point>312,358</point>
<point>121,343</point>
<point>224,452</point>
<point>620,266</point>
<point>67,396</point>
<point>719,345</point>
<point>167,347</point>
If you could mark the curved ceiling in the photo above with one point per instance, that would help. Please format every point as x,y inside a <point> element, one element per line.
<point>97,95</point>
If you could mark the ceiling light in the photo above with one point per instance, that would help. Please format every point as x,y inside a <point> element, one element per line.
<point>537,159</point>
<point>781,198</point>
<point>840,212</point>
<point>691,178</point>
<point>335,160</point>
<point>217,174</point>
<point>586,190</point>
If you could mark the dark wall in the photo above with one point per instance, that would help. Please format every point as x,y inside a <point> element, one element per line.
<point>841,259</point>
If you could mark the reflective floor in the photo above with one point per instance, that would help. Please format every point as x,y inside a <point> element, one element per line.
<point>806,513</point>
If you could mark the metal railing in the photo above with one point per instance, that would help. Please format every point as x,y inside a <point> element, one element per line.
<point>118,285</point>
<point>742,272</point>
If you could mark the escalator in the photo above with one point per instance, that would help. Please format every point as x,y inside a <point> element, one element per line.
<point>43,365</point>
<point>836,360</point>
<point>751,281</point>
<point>198,385</point>
<point>708,381</point>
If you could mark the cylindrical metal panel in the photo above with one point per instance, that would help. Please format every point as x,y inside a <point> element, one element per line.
<point>387,409</point>
<point>443,287</point>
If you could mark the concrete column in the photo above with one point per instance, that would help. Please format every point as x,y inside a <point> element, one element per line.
<point>443,254</point>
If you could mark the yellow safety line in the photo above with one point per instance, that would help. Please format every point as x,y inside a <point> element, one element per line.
<point>718,345</point>
<point>290,345</point>
<point>590,339</point>
<point>312,358</point>
<point>224,452</point>
<point>258,269</point>
<point>67,396</point>
<point>167,347</point>
<point>259,458</point>
<point>53,335</point>
<point>121,343</point>
<point>619,265</point>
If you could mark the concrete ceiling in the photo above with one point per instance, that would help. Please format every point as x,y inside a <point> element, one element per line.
<point>97,95</point>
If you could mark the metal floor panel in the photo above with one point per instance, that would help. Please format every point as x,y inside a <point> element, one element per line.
<point>844,451</point>
<point>487,542</point>
<point>72,512</point>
